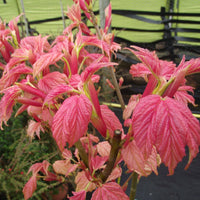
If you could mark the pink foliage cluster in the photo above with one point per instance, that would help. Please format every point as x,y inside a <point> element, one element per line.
<point>54,83</point>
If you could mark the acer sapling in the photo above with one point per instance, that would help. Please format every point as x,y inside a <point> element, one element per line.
<point>63,100</point>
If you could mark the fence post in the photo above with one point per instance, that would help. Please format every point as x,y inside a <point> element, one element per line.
<point>108,92</point>
<point>167,36</point>
<point>63,17</point>
<point>102,6</point>
<point>21,22</point>
<point>25,20</point>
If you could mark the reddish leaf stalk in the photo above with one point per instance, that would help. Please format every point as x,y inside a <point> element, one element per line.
<point>115,146</point>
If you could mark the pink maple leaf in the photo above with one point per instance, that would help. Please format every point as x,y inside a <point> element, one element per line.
<point>182,95</point>
<point>167,124</point>
<point>78,195</point>
<point>44,61</point>
<point>111,120</point>
<point>193,66</point>
<point>34,127</point>
<point>5,48</point>
<point>35,168</point>
<point>96,162</point>
<point>103,148</point>
<point>109,191</point>
<point>51,80</point>
<point>13,27</point>
<point>31,90</point>
<point>31,48</point>
<point>134,158</point>
<point>74,13</point>
<point>84,5</point>
<point>57,92</point>
<point>30,187</point>
<point>152,64</point>
<point>67,154</point>
<point>108,14</point>
<point>137,163</point>
<point>131,106</point>
<point>71,120</point>
<point>64,167</point>
<point>94,67</point>
<point>82,180</point>
<point>96,118</point>
<point>13,75</point>
<point>7,102</point>
<point>116,173</point>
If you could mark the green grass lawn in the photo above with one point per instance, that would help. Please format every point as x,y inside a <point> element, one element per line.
<point>43,9</point>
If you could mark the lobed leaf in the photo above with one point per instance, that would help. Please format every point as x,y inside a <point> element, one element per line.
<point>83,183</point>
<point>169,126</point>
<point>78,195</point>
<point>109,191</point>
<point>71,121</point>
<point>51,80</point>
<point>134,158</point>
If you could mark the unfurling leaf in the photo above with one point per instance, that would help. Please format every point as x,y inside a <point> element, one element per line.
<point>182,95</point>
<point>34,127</point>
<point>43,166</point>
<point>71,121</point>
<point>109,191</point>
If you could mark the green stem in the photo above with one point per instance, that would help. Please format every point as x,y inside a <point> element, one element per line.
<point>115,83</point>
<point>82,153</point>
<point>133,186</point>
<point>118,91</point>
<point>94,20</point>
<point>115,146</point>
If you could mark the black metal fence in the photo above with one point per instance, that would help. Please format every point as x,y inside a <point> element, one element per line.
<point>172,32</point>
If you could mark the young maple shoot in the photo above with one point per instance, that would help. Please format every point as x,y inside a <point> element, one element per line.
<point>63,100</point>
